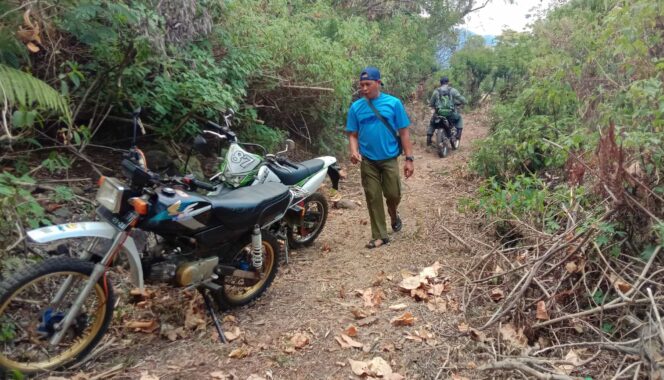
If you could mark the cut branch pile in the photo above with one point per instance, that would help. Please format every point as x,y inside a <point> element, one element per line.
<point>573,304</point>
<point>567,306</point>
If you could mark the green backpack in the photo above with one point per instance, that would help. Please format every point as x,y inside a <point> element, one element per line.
<point>445,103</point>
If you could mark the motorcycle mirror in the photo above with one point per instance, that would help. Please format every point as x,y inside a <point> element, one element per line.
<point>290,144</point>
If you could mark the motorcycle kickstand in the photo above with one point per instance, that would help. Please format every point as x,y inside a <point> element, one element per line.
<point>213,314</point>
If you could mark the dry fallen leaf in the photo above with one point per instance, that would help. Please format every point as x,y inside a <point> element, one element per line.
<point>229,319</point>
<point>406,319</point>
<point>145,375</point>
<point>571,267</point>
<point>430,272</point>
<point>351,330</point>
<point>232,334</point>
<point>299,340</point>
<point>359,313</point>
<point>496,294</point>
<point>619,284</point>
<point>572,359</point>
<point>172,333</point>
<point>346,342</point>
<point>419,294</point>
<point>358,367</point>
<point>514,336</point>
<point>143,326</point>
<point>410,283</point>
<point>399,306</point>
<point>541,313</point>
<point>437,304</point>
<point>239,353</point>
<point>463,327</point>
<point>438,289</point>
<point>376,367</point>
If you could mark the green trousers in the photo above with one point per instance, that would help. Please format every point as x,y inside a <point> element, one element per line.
<point>380,178</point>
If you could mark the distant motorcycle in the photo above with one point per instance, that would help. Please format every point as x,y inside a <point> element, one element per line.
<point>241,168</point>
<point>53,313</point>
<point>445,136</point>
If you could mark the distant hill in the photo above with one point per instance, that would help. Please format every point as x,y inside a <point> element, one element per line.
<point>445,52</point>
<point>464,34</point>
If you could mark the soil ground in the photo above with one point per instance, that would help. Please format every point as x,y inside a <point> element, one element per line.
<point>315,294</point>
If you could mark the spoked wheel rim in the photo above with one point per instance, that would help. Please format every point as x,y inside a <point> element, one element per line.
<point>314,215</point>
<point>237,289</point>
<point>25,326</point>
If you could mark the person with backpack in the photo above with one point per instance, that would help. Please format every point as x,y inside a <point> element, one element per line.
<point>445,100</point>
<point>377,127</point>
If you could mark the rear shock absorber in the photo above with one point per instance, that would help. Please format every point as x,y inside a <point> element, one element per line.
<point>257,248</point>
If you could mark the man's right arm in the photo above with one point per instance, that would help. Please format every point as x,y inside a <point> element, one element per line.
<point>434,99</point>
<point>352,126</point>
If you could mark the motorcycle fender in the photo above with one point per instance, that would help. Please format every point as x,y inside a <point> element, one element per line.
<point>314,182</point>
<point>92,229</point>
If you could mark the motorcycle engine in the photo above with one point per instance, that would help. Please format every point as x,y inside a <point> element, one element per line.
<point>179,271</point>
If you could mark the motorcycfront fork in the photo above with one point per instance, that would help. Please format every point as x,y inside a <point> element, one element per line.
<point>98,271</point>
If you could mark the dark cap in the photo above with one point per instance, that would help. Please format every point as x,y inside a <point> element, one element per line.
<point>444,80</point>
<point>370,73</point>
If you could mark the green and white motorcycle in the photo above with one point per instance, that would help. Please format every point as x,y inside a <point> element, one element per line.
<point>239,168</point>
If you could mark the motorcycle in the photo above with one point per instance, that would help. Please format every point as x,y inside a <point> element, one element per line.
<point>445,135</point>
<point>55,312</point>
<point>241,168</point>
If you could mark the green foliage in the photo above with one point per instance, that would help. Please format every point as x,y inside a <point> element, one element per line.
<point>23,89</point>
<point>16,196</point>
<point>56,162</point>
<point>587,65</point>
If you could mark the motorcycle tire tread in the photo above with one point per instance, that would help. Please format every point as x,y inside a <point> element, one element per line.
<point>28,274</point>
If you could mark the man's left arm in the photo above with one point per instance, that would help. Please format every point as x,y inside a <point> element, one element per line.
<point>402,123</point>
<point>408,167</point>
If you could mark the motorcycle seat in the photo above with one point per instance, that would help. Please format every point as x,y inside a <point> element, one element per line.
<point>291,176</point>
<point>250,205</point>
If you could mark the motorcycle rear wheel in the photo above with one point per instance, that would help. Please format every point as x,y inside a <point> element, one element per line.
<point>315,216</point>
<point>442,143</point>
<point>28,317</point>
<point>237,291</point>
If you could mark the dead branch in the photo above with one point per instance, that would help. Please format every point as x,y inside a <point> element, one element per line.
<point>515,364</point>
<point>460,240</point>
<point>609,306</point>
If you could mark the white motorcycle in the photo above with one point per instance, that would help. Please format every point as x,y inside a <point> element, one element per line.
<point>240,168</point>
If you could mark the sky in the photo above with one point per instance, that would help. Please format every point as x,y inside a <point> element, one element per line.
<point>498,14</point>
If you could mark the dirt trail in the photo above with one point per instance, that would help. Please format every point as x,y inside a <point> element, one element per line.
<point>316,293</point>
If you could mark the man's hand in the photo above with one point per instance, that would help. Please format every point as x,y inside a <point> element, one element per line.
<point>355,157</point>
<point>408,169</point>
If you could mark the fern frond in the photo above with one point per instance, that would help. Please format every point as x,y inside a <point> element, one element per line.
<point>21,88</point>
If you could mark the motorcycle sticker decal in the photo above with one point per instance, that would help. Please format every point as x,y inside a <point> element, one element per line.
<point>240,162</point>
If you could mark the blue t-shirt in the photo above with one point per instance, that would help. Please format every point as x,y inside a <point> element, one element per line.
<point>375,140</point>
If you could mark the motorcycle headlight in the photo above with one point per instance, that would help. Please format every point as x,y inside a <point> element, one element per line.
<point>110,194</point>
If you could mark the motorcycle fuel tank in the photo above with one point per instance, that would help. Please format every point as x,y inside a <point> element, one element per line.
<point>178,211</point>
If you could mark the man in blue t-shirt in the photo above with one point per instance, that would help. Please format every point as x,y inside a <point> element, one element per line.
<point>377,144</point>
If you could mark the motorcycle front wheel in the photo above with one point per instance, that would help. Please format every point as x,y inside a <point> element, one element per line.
<point>35,300</point>
<point>241,291</point>
<point>310,225</point>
